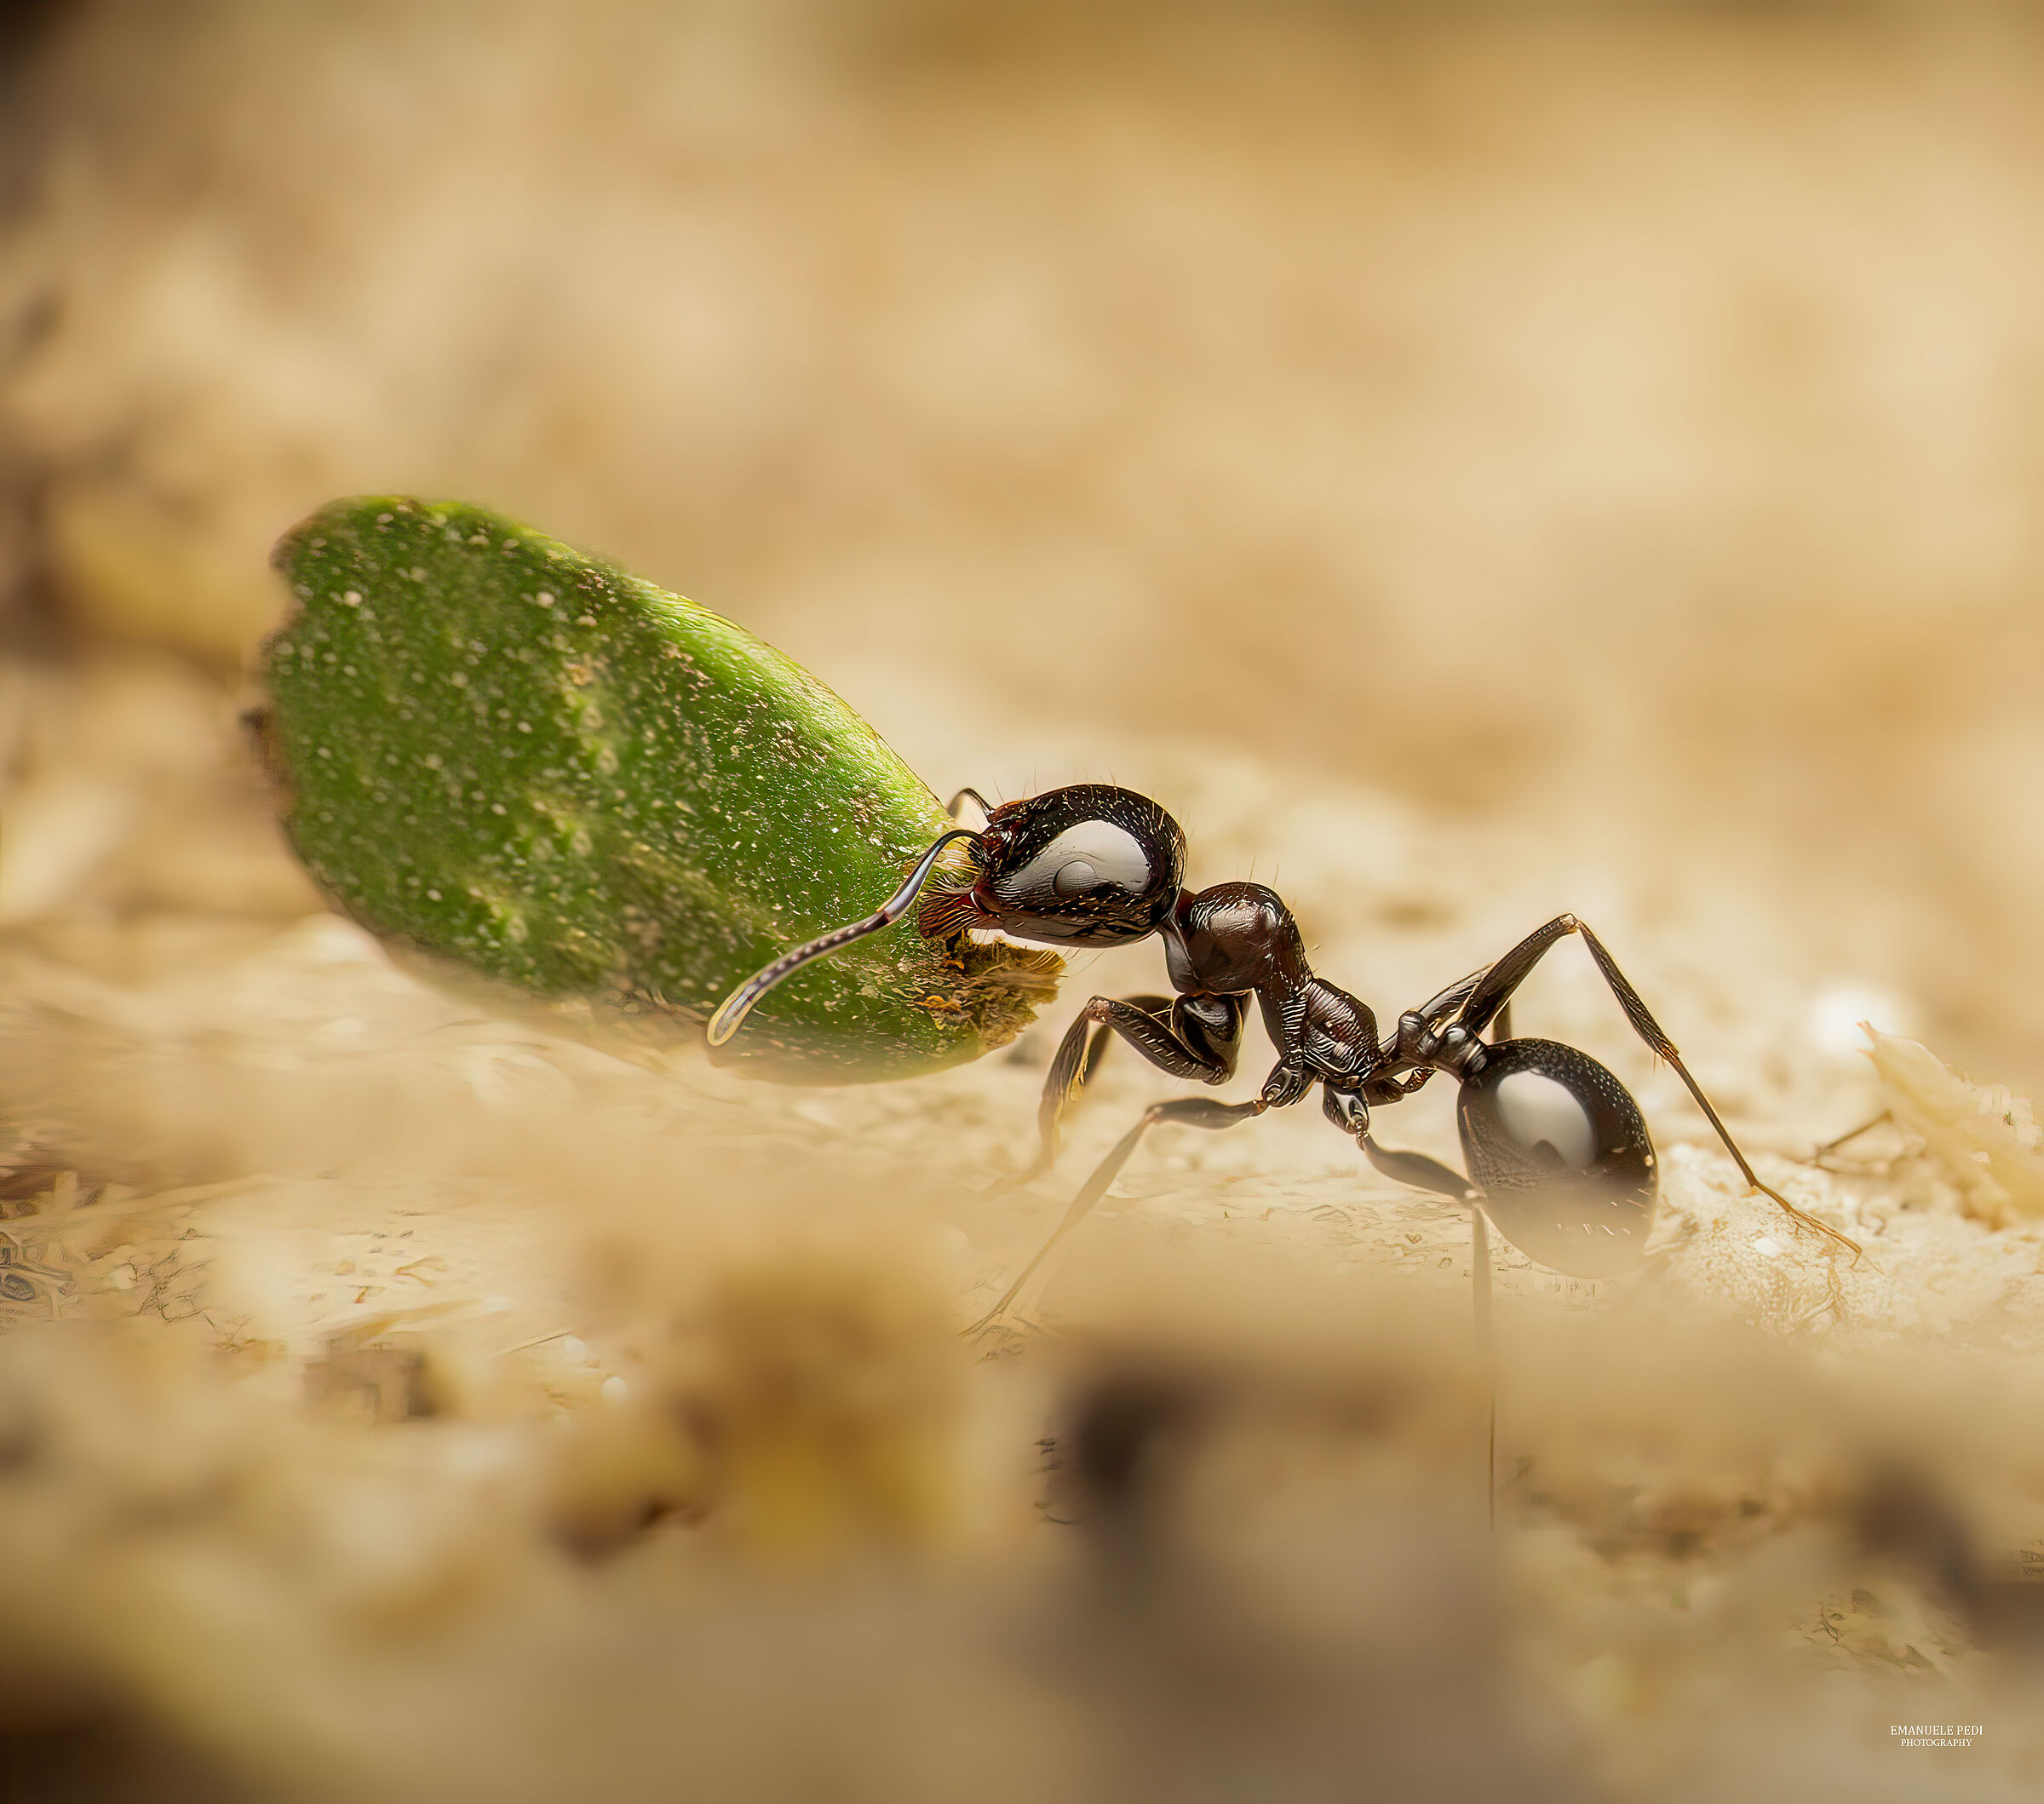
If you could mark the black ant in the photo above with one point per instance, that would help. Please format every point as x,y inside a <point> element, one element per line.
<point>1558,1155</point>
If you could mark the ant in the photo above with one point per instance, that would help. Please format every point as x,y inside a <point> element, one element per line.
<point>1558,1152</point>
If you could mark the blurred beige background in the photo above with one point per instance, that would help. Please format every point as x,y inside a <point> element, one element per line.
<point>1469,461</point>
<point>1615,423</point>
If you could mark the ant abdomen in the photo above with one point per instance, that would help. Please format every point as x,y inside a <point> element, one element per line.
<point>1559,1148</point>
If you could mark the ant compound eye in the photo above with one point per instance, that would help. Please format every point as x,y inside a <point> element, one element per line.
<point>1559,1150</point>
<point>1091,865</point>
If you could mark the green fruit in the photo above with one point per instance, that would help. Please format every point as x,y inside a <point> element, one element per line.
<point>532,772</point>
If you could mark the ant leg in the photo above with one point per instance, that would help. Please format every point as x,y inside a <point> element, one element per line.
<point>1493,991</point>
<point>1452,999</point>
<point>1078,1056</point>
<point>1491,996</point>
<point>1414,1026</point>
<point>1486,1352</point>
<point>1194,1036</point>
<point>1191,1112</point>
<point>1158,1007</point>
<point>1850,1134</point>
<point>1418,1172</point>
<point>1421,1172</point>
<point>1650,1029</point>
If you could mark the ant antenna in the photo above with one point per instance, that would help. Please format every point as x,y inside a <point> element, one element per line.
<point>733,1009</point>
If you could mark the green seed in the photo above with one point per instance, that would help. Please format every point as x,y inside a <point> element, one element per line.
<point>533,773</point>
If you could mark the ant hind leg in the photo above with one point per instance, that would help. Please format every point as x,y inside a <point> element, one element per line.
<point>1491,995</point>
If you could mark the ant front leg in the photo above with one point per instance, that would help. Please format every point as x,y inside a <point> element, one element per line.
<point>1195,1037</point>
<point>1493,993</point>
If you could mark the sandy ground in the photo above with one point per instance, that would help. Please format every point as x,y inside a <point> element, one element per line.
<point>1466,472</point>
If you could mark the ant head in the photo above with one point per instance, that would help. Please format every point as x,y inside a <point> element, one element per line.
<point>1087,865</point>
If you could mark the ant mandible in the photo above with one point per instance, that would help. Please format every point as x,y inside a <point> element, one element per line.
<point>1558,1155</point>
